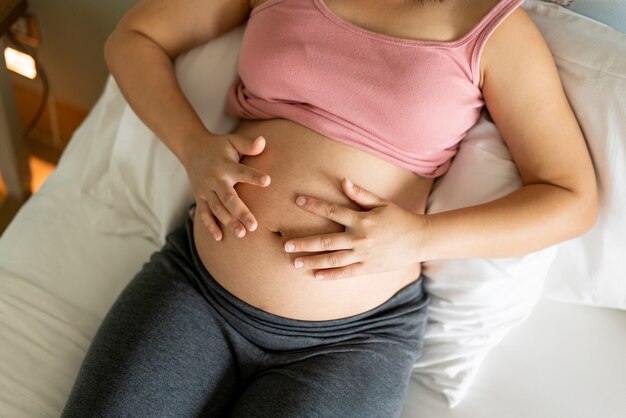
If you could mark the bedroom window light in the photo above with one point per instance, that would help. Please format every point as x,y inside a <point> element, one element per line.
<point>20,63</point>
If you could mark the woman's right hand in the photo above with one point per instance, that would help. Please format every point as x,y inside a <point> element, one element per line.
<point>213,168</point>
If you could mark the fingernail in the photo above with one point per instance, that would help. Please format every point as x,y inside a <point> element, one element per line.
<point>290,247</point>
<point>250,225</point>
<point>349,182</point>
<point>299,264</point>
<point>239,232</point>
<point>319,276</point>
<point>300,201</point>
<point>264,179</point>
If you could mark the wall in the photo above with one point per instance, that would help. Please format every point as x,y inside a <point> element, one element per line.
<point>610,12</point>
<point>71,52</point>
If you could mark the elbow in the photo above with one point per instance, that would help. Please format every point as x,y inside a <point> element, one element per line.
<point>108,49</point>
<point>115,48</point>
<point>587,208</point>
<point>592,214</point>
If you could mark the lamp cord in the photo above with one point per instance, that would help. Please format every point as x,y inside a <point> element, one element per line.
<point>44,81</point>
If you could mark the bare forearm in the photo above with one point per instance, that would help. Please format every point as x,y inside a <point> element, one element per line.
<point>146,77</point>
<point>527,220</point>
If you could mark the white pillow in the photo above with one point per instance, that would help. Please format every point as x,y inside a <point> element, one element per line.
<point>475,302</point>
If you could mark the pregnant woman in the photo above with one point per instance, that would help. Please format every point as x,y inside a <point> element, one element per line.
<point>294,288</point>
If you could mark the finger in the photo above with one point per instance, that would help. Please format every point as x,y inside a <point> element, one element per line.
<point>224,215</point>
<point>333,259</point>
<point>244,145</point>
<point>361,196</point>
<point>251,175</point>
<point>236,208</point>
<point>332,211</point>
<point>327,242</point>
<point>346,272</point>
<point>204,212</point>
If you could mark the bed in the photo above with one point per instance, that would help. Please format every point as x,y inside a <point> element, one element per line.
<point>79,240</point>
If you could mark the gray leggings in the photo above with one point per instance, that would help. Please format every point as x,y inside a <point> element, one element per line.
<point>177,344</point>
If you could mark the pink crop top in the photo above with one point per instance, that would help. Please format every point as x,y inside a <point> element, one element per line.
<point>407,101</point>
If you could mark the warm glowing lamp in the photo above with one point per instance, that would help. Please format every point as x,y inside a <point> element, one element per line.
<point>20,63</point>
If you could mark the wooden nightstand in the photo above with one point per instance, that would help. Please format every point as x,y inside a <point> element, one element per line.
<point>13,156</point>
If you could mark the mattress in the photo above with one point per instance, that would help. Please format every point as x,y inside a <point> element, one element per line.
<point>59,277</point>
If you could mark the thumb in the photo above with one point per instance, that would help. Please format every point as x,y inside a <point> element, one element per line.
<point>246,147</point>
<point>362,197</point>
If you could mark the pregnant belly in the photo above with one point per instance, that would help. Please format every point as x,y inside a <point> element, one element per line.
<point>257,270</point>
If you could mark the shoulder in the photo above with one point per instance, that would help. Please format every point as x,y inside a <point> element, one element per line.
<point>515,40</point>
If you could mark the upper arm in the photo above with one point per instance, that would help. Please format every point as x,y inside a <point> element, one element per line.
<point>525,98</point>
<point>179,25</point>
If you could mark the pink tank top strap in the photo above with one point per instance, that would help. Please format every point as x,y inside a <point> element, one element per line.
<point>485,28</point>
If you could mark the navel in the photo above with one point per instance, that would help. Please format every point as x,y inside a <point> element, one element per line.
<point>278,233</point>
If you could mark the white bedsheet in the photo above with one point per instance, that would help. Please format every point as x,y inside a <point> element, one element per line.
<point>565,361</point>
<point>58,279</point>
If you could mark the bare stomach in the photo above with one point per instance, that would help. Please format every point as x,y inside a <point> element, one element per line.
<point>257,270</point>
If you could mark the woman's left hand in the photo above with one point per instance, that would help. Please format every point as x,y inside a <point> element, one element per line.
<point>379,239</point>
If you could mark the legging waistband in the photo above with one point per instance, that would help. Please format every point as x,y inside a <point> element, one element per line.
<point>405,301</point>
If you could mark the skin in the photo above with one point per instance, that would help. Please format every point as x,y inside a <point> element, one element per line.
<point>374,239</point>
<point>367,230</point>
